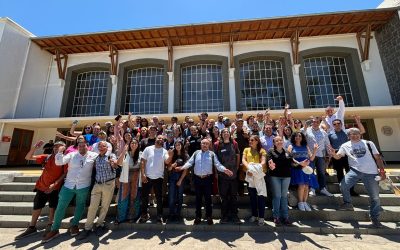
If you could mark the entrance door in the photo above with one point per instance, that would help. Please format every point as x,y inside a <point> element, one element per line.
<point>20,145</point>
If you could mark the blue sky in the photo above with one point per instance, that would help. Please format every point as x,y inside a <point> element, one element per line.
<point>56,17</point>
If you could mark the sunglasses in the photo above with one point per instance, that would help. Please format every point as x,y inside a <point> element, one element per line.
<point>88,128</point>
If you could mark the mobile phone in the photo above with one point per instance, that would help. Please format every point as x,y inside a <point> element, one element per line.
<point>39,144</point>
<point>308,123</point>
<point>75,122</point>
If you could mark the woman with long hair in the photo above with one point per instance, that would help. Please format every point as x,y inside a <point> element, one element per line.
<point>303,155</point>
<point>178,158</point>
<point>255,154</point>
<point>280,164</point>
<point>129,159</point>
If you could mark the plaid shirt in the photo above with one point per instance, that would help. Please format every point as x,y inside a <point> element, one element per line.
<point>104,171</point>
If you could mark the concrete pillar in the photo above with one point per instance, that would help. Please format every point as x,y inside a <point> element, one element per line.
<point>297,86</point>
<point>114,85</point>
<point>171,92</point>
<point>232,90</point>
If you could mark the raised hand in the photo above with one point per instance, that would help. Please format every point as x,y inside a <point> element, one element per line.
<point>339,98</point>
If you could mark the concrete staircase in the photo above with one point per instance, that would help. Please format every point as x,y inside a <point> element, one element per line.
<point>16,200</point>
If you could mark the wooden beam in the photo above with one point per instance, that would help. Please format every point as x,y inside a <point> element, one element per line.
<point>231,61</point>
<point>222,34</point>
<point>170,56</point>
<point>114,59</point>
<point>363,41</point>
<point>294,42</point>
<point>62,60</point>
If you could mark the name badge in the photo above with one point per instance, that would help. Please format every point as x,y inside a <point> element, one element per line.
<point>223,150</point>
<point>192,141</point>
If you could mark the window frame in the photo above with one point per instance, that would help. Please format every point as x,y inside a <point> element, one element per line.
<point>70,86</point>
<point>283,57</point>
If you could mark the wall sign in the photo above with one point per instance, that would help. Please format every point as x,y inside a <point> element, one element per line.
<point>387,130</point>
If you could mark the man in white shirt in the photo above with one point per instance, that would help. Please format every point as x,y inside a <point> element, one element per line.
<point>330,116</point>
<point>152,171</point>
<point>77,183</point>
<point>365,161</point>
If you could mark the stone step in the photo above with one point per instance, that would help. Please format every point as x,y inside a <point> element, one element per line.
<point>390,213</point>
<point>26,178</point>
<point>303,226</point>
<point>17,186</point>
<point>332,187</point>
<point>362,200</point>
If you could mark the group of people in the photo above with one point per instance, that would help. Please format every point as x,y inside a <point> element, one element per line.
<point>144,159</point>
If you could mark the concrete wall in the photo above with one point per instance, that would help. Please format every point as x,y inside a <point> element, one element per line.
<point>375,80</point>
<point>13,50</point>
<point>34,82</point>
<point>388,38</point>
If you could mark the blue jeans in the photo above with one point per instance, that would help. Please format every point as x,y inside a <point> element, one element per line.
<point>280,187</point>
<point>320,166</point>
<point>257,203</point>
<point>371,185</point>
<point>64,198</point>
<point>175,194</point>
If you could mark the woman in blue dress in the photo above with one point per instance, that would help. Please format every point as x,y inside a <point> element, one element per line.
<point>302,154</point>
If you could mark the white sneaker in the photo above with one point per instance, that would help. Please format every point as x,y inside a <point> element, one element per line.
<point>326,192</point>
<point>301,206</point>
<point>312,192</point>
<point>261,221</point>
<point>253,219</point>
<point>307,206</point>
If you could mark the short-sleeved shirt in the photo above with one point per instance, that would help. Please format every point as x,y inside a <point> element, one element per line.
<point>155,158</point>
<point>91,139</point>
<point>359,156</point>
<point>51,172</point>
<point>254,156</point>
<point>337,138</point>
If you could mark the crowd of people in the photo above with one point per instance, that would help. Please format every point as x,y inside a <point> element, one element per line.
<point>154,162</point>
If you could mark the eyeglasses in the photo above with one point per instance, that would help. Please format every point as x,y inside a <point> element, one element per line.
<point>252,140</point>
<point>88,128</point>
<point>336,123</point>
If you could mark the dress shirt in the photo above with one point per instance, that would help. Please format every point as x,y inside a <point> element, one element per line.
<point>267,142</point>
<point>80,168</point>
<point>338,115</point>
<point>203,163</point>
<point>104,171</point>
<point>318,136</point>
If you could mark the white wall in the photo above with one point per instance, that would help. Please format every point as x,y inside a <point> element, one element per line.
<point>389,144</point>
<point>34,82</point>
<point>13,50</point>
<point>375,80</point>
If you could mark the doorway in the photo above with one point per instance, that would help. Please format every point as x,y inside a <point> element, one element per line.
<point>20,145</point>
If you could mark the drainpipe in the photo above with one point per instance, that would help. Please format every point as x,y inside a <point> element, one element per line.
<point>21,80</point>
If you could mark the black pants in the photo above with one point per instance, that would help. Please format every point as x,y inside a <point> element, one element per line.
<point>157,185</point>
<point>203,188</point>
<point>228,192</point>
<point>339,166</point>
<point>268,200</point>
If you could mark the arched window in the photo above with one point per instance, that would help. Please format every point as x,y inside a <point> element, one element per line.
<point>326,78</point>
<point>202,88</point>
<point>262,85</point>
<point>90,93</point>
<point>144,90</point>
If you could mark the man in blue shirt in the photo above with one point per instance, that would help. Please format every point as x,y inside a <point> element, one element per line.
<point>203,162</point>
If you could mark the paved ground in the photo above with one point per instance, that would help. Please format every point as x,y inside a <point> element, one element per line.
<point>123,239</point>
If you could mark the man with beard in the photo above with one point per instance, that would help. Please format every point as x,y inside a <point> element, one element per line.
<point>152,171</point>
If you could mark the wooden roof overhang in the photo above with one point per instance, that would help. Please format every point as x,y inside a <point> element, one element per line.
<point>224,32</point>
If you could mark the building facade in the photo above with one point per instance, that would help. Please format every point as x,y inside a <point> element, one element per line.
<point>305,61</point>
